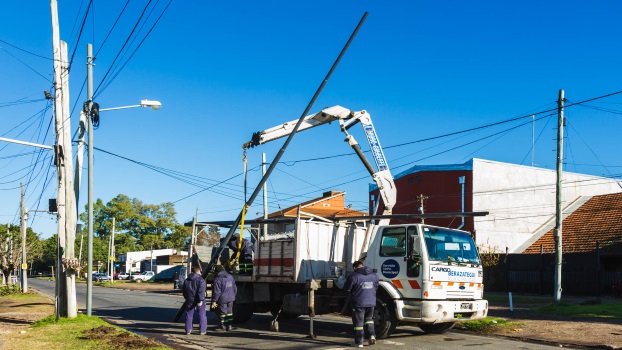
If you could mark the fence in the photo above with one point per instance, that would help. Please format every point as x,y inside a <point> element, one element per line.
<point>585,274</point>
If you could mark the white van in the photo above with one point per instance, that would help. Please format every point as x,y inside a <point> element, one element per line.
<point>183,274</point>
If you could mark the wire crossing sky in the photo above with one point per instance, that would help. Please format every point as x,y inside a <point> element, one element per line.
<point>443,81</point>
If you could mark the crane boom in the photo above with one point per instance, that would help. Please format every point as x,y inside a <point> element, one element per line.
<point>347,118</point>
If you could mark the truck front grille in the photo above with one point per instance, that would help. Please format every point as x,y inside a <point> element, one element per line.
<point>460,294</point>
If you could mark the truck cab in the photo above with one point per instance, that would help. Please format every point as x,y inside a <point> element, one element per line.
<point>429,275</point>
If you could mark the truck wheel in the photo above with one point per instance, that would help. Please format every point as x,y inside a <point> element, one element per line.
<point>139,280</point>
<point>385,320</point>
<point>438,328</point>
<point>242,312</point>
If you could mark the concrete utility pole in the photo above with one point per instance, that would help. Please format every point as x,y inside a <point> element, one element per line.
<point>23,216</point>
<point>558,198</point>
<point>66,205</point>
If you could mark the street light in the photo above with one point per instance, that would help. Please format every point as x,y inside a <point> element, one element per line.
<point>155,105</point>
<point>88,110</point>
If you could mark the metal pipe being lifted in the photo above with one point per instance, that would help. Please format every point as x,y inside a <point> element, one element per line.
<point>273,164</point>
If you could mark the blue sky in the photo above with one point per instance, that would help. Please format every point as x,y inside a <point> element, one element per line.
<point>224,70</point>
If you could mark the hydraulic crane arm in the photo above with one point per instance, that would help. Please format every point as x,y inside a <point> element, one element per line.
<point>347,118</point>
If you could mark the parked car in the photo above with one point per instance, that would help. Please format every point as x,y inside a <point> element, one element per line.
<point>123,276</point>
<point>145,276</point>
<point>100,277</point>
<point>182,277</point>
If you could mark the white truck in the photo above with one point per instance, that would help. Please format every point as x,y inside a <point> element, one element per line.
<point>143,277</point>
<point>429,276</point>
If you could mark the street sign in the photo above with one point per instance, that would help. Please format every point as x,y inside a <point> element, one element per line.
<point>24,266</point>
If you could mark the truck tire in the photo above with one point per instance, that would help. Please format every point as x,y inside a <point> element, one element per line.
<point>437,328</point>
<point>138,280</point>
<point>242,312</point>
<point>385,320</point>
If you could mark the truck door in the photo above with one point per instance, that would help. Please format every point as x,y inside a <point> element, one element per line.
<point>399,259</point>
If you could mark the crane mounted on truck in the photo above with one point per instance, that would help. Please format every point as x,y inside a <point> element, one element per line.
<point>429,276</point>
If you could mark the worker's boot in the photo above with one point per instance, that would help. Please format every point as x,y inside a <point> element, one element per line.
<point>221,329</point>
<point>230,328</point>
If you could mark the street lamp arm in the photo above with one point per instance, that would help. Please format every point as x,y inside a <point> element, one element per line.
<point>155,105</point>
<point>26,143</point>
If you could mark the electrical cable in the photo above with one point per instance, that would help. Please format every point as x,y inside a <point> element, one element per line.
<point>121,50</point>
<point>112,28</point>
<point>114,76</point>
<point>75,47</point>
<point>26,51</point>
<point>24,63</point>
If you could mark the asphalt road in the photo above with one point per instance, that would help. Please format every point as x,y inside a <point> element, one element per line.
<point>150,314</point>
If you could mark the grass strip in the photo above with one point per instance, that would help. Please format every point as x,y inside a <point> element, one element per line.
<point>607,310</point>
<point>489,325</point>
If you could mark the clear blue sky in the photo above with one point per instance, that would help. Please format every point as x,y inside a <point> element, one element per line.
<point>226,69</point>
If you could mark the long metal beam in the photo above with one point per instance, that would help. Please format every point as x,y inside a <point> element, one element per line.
<point>276,158</point>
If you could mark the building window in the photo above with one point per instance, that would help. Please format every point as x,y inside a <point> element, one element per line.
<point>411,180</point>
<point>418,178</point>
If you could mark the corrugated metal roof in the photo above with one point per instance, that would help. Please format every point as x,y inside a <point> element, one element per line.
<point>331,204</point>
<point>599,219</point>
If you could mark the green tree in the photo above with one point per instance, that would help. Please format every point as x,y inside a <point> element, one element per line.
<point>148,224</point>
<point>179,238</point>
<point>11,248</point>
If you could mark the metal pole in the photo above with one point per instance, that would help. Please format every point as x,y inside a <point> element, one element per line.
<point>558,198</point>
<point>265,194</point>
<point>112,252</point>
<point>533,140</point>
<point>263,180</point>
<point>23,229</point>
<point>89,92</point>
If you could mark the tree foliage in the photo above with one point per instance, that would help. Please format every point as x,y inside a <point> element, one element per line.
<point>152,226</point>
<point>11,248</point>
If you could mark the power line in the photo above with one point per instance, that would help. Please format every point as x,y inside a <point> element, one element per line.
<point>122,48</point>
<point>25,64</point>
<point>75,48</point>
<point>136,49</point>
<point>112,28</point>
<point>26,51</point>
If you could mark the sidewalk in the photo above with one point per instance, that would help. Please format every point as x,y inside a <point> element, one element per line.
<point>589,332</point>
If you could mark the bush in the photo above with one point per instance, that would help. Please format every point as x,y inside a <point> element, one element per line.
<point>10,290</point>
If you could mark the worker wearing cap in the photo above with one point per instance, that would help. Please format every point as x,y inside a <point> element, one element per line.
<point>362,285</point>
<point>194,293</point>
<point>223,297</point>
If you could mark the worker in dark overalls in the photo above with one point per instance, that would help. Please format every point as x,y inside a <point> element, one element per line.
<point>362,285</point>
<point>245,257</point>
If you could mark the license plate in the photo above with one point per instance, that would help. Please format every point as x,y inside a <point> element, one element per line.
<point>465,306</point>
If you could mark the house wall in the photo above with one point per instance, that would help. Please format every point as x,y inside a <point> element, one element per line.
<point>521,199</point>
<point>444,194</point>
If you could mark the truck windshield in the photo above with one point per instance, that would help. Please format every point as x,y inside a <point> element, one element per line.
<point>450,246</point>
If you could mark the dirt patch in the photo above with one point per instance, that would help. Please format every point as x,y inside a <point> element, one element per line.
<point>16,314</point>
<point>563,330</point>
<point>119,339</point>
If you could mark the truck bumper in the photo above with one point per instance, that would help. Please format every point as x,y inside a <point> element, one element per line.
<point>436,311</point>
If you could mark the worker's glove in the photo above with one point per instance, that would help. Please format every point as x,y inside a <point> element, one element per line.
<point>199,303</point>
<point>214,305</point>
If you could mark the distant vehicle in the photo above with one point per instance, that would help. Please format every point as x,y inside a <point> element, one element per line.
<point>100,277</point>
<point>123,276</point>
<point>145,276</point>
<point>182,277</point>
